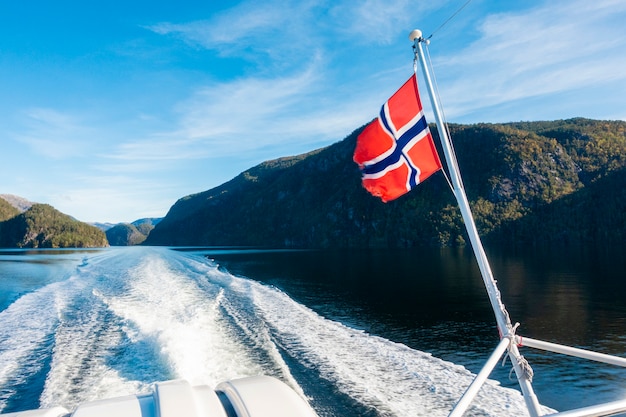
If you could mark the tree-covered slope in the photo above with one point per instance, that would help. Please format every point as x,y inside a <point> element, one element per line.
<point>129,234</point>
<point>42,226</point>
<point>7,210</point>
<point>519,178</point>
<point>124,234</point>
<point>145,226</point>
<point>20,203</point>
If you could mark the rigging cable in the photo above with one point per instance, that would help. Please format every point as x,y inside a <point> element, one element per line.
<point>450,18</point>
<point>443,114</point>
<point>415,58</point>
<point>436,88</point>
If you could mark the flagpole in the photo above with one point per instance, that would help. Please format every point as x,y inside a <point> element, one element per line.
<point>503,321</point>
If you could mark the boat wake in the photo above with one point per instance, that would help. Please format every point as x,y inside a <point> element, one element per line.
<point>125,318</point>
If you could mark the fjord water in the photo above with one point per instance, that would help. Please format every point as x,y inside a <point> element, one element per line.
<point>353,331</point>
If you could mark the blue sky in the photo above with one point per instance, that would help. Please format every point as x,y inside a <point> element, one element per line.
<point>111,112</point>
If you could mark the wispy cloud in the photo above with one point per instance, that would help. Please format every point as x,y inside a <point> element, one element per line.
<point>295,95</point>
<point>227,28</point>
<point>242,117</point>
<point>281,33</point>
<point>111,198</point>
<point>554,48</point>
<point>246,106</point>
<point>376,21</point>
<point>270,34</point>
<point>54,134</point>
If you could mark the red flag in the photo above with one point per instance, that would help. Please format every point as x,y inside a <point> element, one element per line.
<point>396,151</point>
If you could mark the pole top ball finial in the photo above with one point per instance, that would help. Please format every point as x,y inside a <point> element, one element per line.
<point>415,34</point>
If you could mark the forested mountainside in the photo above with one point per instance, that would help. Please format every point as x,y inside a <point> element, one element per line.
<point>42,226</point>
<point>559,182</point>
<point>7,210</point>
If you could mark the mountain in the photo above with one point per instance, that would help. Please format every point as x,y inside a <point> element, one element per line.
<point>128,234</point>
<point>592,215</point>
<point>42,226</point>
<point>124,234</point>
<point>19,203</point>
<point>59,230</point>
<point>526,183</point>
<point>146,225</point>
<point>7,210</point>
<point>103,226</point>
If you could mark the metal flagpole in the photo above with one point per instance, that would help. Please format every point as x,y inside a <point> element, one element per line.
<point>502,318</point>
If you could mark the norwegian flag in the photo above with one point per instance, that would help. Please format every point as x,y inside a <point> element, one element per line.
<point>396,151</point>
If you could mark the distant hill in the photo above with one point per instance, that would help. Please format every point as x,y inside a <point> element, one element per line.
<point>103,226</point>
<point>527,182</point>
<point>128,234</point>
<point>42,226</point>
<point>55,224</point>
<point>124,234</point>
<point>7,210</point>
<point>146,225</point>
<point>18,202</point>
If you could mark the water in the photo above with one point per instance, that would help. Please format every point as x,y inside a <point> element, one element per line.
<point>363,333</point>
<point>434,301</point>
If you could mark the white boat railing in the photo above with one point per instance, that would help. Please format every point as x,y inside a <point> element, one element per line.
<point>604,409</point>
<point>510,342</point>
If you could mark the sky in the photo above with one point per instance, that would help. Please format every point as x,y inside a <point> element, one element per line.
<point>112,111</point>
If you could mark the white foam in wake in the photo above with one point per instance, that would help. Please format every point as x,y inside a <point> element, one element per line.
<point>387,376</point>
<point>136,316</point>
<point>85,342</point>
<point>145,319</point>
<point>164,304</point>
<point>25,327</point>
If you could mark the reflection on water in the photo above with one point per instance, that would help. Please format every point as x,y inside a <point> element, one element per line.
<point>569,297</point>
